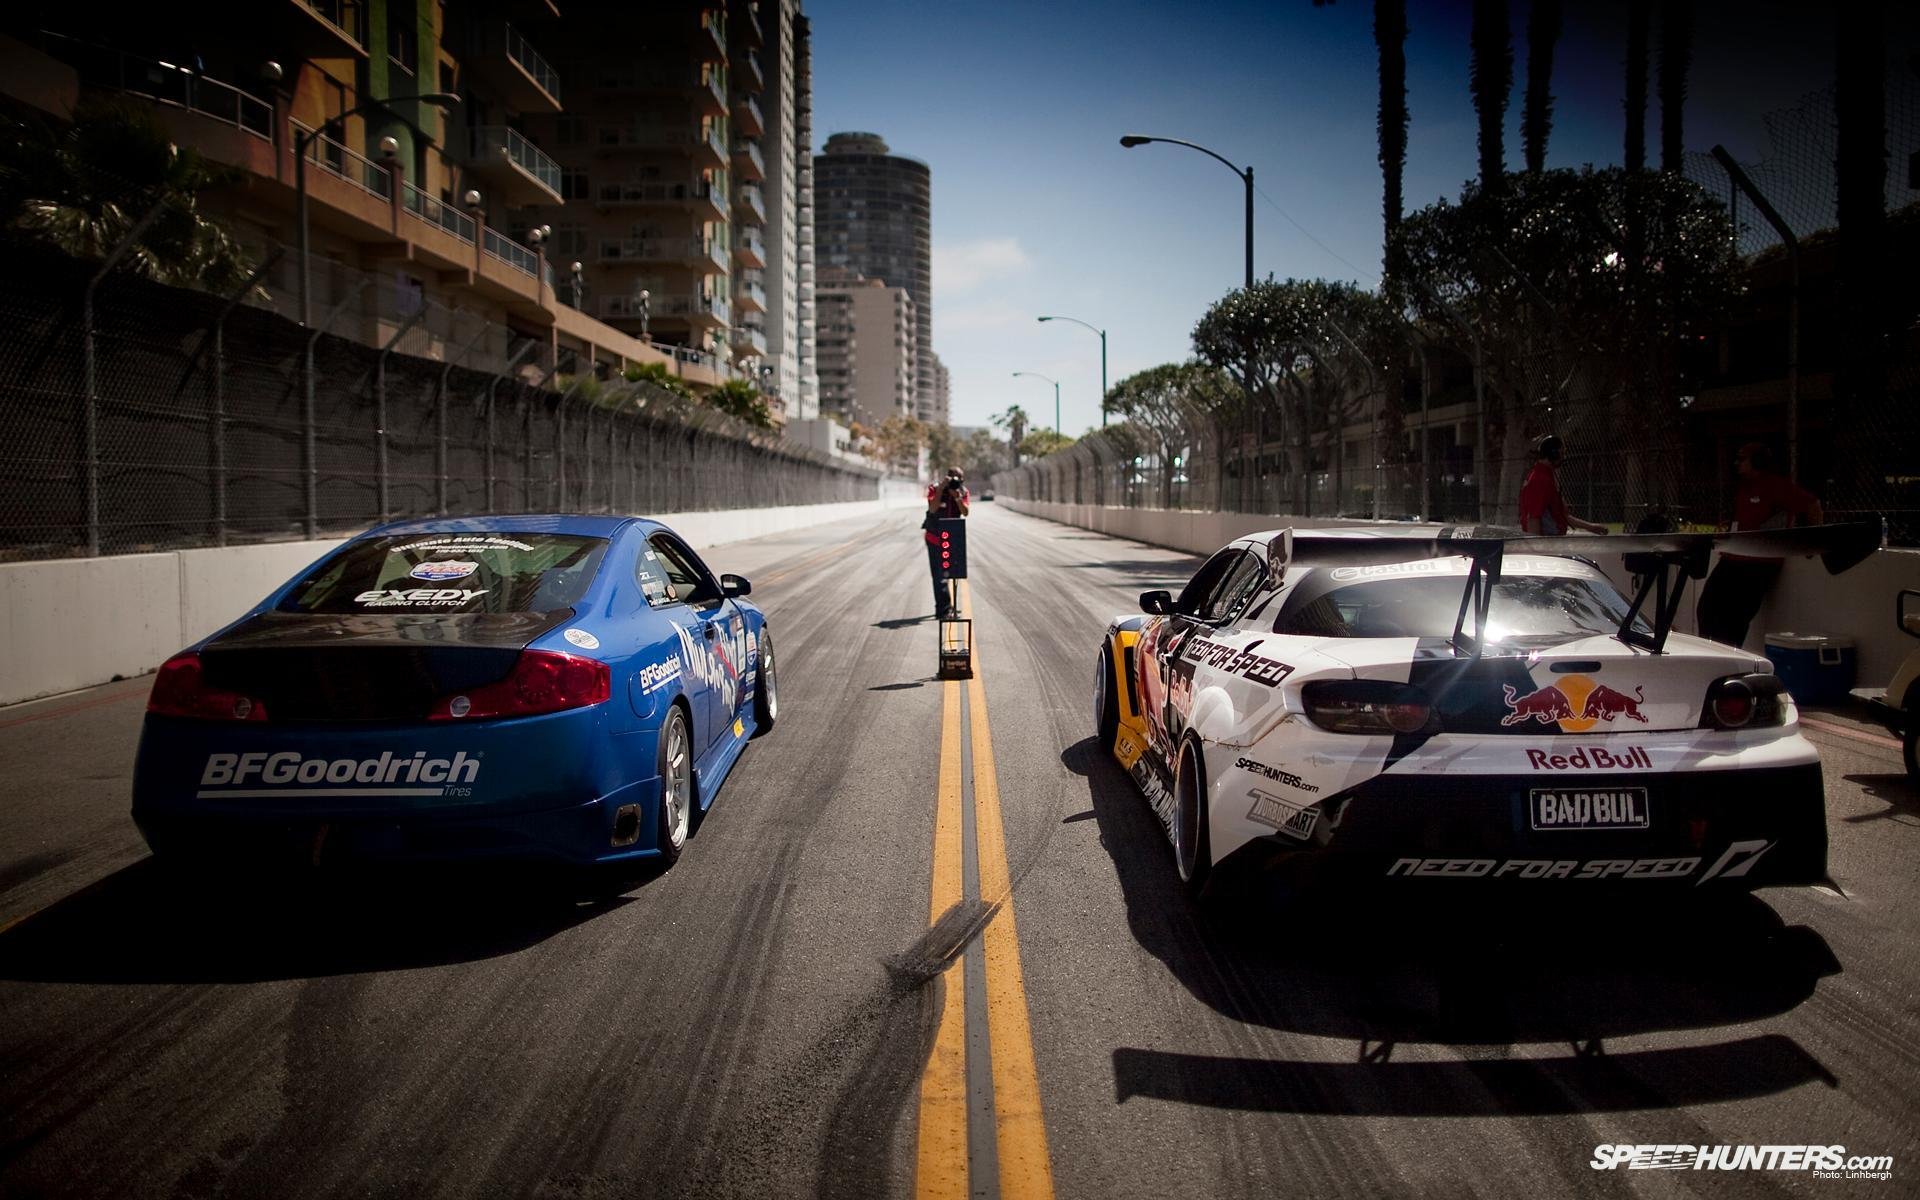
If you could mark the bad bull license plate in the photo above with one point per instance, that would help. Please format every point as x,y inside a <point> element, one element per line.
<point>1587,808</point>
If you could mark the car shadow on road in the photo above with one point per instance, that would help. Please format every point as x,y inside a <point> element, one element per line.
<point>143,924</point>
<point>1398,979</point>
<point>1900,794</point>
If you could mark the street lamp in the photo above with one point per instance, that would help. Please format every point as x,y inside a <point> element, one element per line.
<point>1246,176</point>
<point>1056,396</point>
<point>1103,361</point>
<point>305,138</point>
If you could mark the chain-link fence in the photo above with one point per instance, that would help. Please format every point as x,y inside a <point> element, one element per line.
<point>1445,426</point>
<point>136,416</point>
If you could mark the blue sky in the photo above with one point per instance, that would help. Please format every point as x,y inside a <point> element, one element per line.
<point>1018,109</point>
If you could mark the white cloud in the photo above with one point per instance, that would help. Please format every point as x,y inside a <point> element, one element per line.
<point>991,314</point>
<point>961,266</point>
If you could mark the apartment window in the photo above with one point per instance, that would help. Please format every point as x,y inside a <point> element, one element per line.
<point>573,185</point>
<point>572,131</point>
<point>403,44</point>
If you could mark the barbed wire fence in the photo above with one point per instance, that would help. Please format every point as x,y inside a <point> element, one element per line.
<point>137,416</point>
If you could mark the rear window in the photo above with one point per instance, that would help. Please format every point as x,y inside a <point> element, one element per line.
<point>1542,599</point>
<point>452,573</point>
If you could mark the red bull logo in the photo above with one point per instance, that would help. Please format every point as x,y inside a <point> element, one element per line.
<point>1575,703</point>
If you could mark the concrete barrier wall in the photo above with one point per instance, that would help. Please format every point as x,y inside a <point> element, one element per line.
<point>72,623</point>
<point>1857,604</point>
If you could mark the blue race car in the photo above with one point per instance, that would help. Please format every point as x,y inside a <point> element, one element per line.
<point>560,688</point>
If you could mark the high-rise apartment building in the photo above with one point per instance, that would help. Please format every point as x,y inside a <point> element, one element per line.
<point>873,216</point>
<point>868,348</point>
<point>942,392</point>
<point>779,120</point>
<point>809,405</point>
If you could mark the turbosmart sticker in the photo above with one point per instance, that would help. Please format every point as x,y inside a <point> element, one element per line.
<point>582,639</point>
<point>444,570</point>
<point>1294,820</point>
<point>418,597</point>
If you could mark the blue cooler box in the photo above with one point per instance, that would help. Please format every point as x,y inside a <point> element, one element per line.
<point>1817,669</point>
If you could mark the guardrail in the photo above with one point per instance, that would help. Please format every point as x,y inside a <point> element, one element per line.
<point>530,61</point>
<point>337,159</point>
<point>491,139</point>
<point>164,83</point>
<point>436,212</point>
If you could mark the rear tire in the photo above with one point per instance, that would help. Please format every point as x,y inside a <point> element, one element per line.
<point>1106,706</point>
<point>676,805</point>
<point>1192,849</point>
<point>1910,747</point>
<point>766,697</point>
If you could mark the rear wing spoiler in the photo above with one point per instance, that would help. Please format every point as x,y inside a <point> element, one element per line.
<point>1659,560</point>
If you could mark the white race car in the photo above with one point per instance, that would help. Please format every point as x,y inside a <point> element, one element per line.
<point>1461,706</point>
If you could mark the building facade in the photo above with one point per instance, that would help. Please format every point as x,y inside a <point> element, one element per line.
<point>868,349</point>
<point>874,217</point>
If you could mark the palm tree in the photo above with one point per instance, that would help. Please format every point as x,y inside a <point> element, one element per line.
<point>1638,16</point>
<point>1536,123</point>
<point>1676,55</point>
<point>82,187</point>
<point>1390,35</point>
<point>1015,421</point>
<point>1491,81</point>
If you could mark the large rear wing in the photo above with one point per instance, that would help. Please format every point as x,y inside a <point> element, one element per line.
<point>1659,561</point>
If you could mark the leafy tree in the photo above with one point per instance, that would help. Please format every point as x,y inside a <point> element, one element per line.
<point>1305,353</point>
<point>659,375</point>
<point>1390,37</point>
<point>1676,56</point>
<point>82,187</point>
<point>1639,16</point>
<point>1174,407</point>
<point>743,402</point>
<point>982,454</point>
<point>1538,276</point>
<point>1042,442</point>
<point>895,442</point>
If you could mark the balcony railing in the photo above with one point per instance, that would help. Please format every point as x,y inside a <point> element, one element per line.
<point>747,242</point>
<point>165,83</point>
<point>749,108</point>
<point>657,250</point>
<point>491,140</point>
<point>719,144</point>
<point>435,212</point>
<point>748,337</point>
<point>357,169</point>
<point>751,152</point>
<point>499,245</point>
<point>751,290</point>
<point>530,61</point>
<point>654,193</point>
<point>748,196</point>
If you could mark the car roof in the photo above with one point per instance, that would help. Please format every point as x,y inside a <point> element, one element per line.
<point>569,523</point>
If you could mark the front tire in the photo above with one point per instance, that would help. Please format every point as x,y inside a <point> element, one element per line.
<point>1192,849</point>
<point>766,696</point>
<point>676,786</point>
<point>1106,706</point>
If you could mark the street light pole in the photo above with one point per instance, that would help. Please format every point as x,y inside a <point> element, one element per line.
<point>1103,361</point>
<point>304,139</point>
<point>1056,396</point>
<point>1245,174</point>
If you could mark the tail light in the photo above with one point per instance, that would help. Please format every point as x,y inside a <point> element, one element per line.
<point>180,690</point>
<point>542,681</point>
<point>1745,702</point>
<point>1369,706</point>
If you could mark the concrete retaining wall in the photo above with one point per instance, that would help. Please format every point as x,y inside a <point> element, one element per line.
<point>72,623</point>
<point>1858,604</point>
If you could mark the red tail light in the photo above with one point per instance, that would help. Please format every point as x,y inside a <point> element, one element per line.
<point>180,690</point>
<point>1744,701</point>
<point>542,681</point>
<point>1369,706</point>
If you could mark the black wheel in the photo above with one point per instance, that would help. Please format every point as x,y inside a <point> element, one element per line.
<point>1192,852</point>
<point>676,786</point>
<point>1910,749</point>
<point>766,685</point>
<point>1106,706</point>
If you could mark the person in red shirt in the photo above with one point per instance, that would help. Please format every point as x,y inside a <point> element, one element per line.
<point>1541,508</point>
<point>945,498</point>
<point>1739,583</point>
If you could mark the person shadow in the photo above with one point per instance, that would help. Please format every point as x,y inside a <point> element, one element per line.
<point>1560,977</point>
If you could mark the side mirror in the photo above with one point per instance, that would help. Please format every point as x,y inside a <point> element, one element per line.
<point>1157,603</point>
<point>735,585</point>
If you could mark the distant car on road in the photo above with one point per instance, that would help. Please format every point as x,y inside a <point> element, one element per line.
<point>1458,708</point>
<point>987,494</point>
<point>560,688</point>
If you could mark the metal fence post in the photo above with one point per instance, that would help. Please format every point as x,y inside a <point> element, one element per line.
<point>91,377</point>
<point>310,441</point>
<point>219,419</point>
<point>380,412</point>
<point>493,396</point>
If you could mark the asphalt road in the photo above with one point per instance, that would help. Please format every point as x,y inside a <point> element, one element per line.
<point>775,1017</point>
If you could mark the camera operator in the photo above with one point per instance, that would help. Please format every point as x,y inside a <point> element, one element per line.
<point>946,498</point>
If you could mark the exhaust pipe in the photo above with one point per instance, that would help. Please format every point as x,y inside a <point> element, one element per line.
<point>626,825</point>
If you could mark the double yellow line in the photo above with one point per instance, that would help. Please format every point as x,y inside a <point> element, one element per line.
<point>1020,1132</point>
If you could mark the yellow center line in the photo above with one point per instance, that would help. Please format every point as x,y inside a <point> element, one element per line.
<point>1026,1172</point>
<point>941,1172</point>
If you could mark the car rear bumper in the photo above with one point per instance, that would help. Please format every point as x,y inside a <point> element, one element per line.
<point>543,788</point>
<point>1728,830</point>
